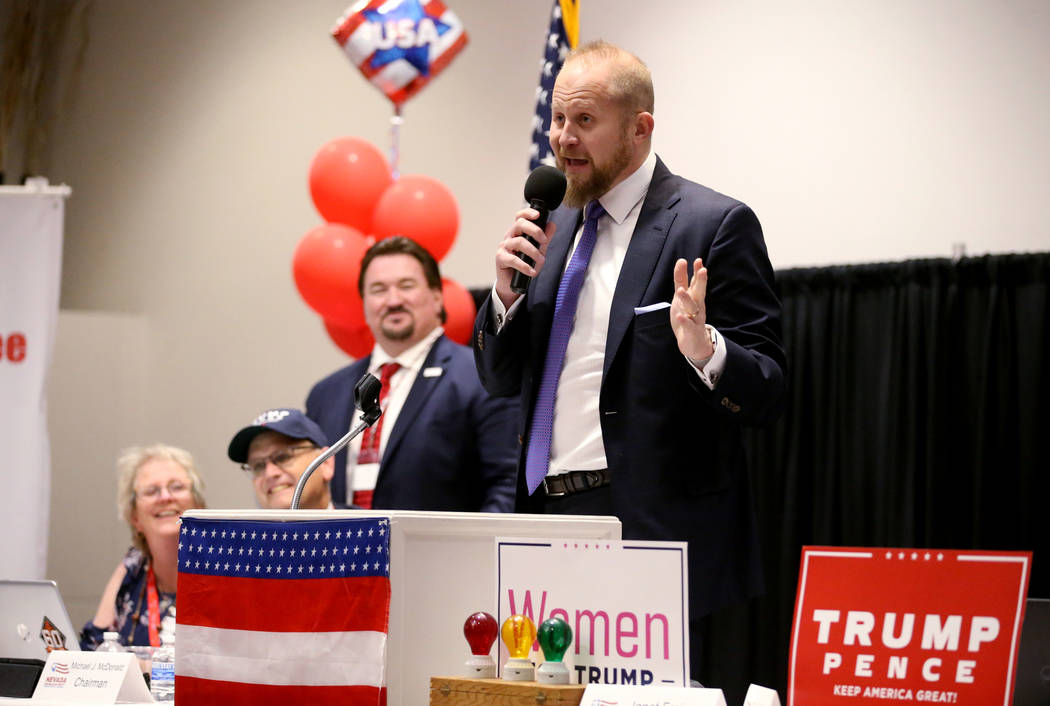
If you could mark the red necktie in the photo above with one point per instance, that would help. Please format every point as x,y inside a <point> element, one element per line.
<point>371,437</point>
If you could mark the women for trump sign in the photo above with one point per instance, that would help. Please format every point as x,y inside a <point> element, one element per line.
<point>625,601</point>
<point>906,625</point>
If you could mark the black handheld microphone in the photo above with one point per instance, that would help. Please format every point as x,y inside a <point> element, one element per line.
<point>544,190</point>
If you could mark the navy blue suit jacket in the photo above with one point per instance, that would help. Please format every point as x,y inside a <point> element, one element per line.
<point>453,446</point>
<point>673,446</point>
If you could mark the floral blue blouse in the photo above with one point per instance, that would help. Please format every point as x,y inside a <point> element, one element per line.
<point>132,621</point>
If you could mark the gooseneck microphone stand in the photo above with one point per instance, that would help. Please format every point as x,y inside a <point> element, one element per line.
<point>366,398</point>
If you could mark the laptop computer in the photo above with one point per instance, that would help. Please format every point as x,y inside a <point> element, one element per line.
<point>33,620</point>
<point>1032,685</point>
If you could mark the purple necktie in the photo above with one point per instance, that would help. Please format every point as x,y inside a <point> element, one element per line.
<point>538,457</point>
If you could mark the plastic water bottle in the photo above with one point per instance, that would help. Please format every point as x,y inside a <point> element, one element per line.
<point>110,643</point>
<point>162,670</point>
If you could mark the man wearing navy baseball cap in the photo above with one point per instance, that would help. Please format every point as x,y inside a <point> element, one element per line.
<point>274,450</point>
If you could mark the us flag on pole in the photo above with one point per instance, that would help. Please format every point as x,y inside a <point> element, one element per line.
<point>282,612</point>
<point>562,36</point>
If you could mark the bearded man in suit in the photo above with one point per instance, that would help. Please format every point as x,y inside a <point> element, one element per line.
<point>634,375</point>
<point>442,443</point>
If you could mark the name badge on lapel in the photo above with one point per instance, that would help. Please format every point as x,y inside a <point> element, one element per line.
<point>432,372</point>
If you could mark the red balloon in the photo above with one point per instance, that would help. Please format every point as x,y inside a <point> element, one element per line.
<point>459,304</point>
<point>420,208</point>
<point>325,266</point>
<point>355,341</point>
<point>347,177</point>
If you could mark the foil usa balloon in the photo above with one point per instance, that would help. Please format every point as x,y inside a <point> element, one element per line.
<point>400,45</point>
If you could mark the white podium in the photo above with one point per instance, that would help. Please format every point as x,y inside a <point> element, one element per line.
<point>442,569</point>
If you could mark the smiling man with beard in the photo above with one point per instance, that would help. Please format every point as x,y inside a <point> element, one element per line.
<point>442,443</point>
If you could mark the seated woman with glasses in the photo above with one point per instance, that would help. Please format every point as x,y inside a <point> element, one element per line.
<point>155,485</point>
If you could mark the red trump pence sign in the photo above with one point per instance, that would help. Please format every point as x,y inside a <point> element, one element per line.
<point>879,626</point>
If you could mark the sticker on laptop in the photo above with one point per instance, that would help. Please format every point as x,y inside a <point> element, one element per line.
<point>53,638</point>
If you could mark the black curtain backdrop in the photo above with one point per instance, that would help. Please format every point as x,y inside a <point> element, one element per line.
<point>919,395</point>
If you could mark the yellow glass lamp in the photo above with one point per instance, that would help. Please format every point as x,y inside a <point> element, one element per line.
<point>518,633</point>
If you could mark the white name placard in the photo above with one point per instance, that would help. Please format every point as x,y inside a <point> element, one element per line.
<point>626,602</point>
<point>603,694</point>
<point>761,696</point>
<point>92,678</point>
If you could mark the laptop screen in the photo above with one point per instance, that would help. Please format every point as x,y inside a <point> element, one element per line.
<point>33,620</point>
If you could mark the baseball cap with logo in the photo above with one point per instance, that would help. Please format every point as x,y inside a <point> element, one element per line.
<point>290,422</point>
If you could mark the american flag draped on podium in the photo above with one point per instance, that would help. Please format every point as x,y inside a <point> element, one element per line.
<point>282,612</point>
<point>562,36</point>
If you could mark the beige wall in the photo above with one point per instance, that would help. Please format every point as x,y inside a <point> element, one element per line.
<point>859,131</point>
<point>98,404</point>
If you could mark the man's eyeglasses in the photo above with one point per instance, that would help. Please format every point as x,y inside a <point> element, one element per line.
<point>175,487</point>
<point>282,459</point>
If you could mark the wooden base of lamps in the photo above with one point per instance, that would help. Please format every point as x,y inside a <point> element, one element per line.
<point>461,691</point>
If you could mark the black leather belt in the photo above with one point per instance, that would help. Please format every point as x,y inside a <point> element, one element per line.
<point>574,482</point>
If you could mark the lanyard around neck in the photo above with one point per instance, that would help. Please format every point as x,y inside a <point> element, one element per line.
<point>153,602</point>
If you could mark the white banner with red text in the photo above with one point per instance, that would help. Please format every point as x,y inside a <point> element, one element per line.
<point>31,221</point>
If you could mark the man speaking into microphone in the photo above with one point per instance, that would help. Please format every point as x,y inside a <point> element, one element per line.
<point>648,335</point>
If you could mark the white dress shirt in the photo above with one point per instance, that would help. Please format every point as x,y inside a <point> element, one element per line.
<point>363,476</point>
<point>576,441</point>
